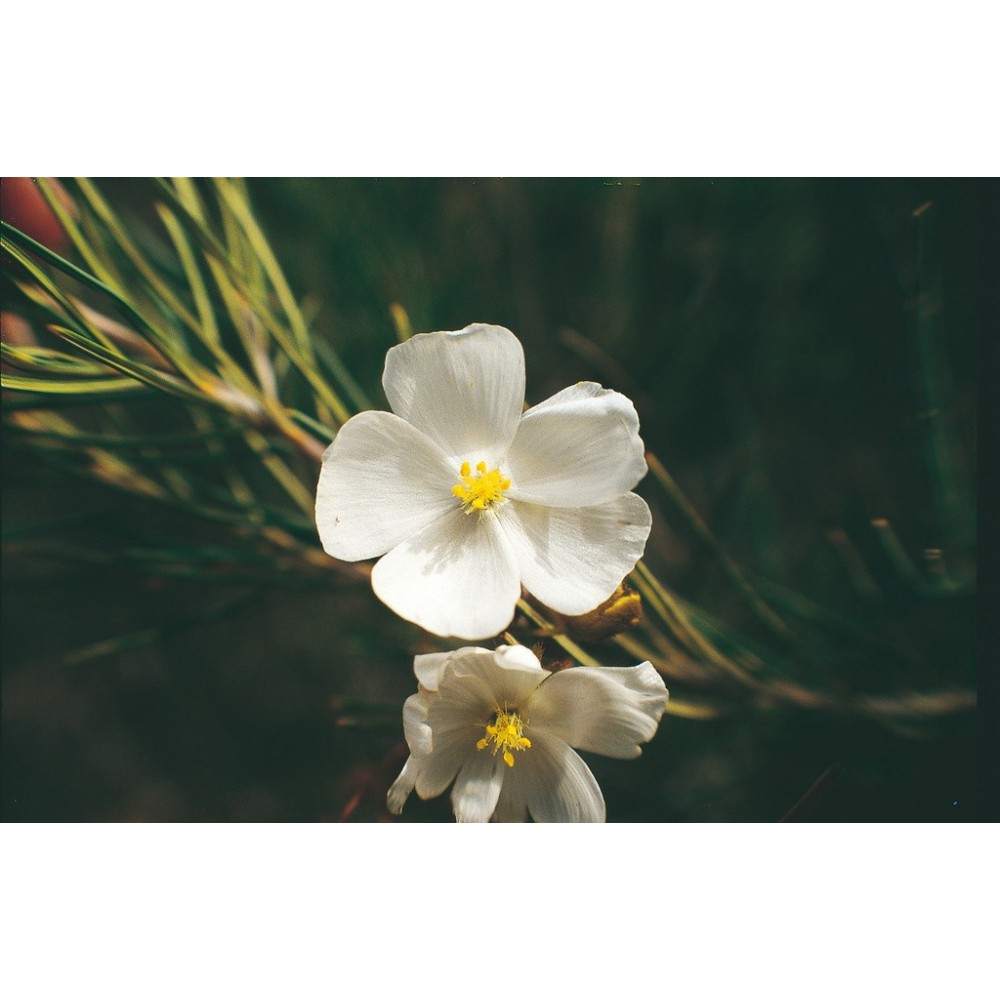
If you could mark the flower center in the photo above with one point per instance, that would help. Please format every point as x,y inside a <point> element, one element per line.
<point>506,734</point>
<point>480,490</point>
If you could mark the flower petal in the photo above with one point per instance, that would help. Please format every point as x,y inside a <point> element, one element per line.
<point>477,787</point>
<point>572,559</point>
<point>381,482</point>
<point>578,448</point>
<point>400,789</point>
<point>419,737</point>
<point>429,668</point>
<point>437,771</point>
<point>463,701</point>
<point>464,389</point>
<point>553,784</point>
<point>508,675</point>
<point>608,710</point>
<point>433,669</point>
<point>456,577</point>
<point>511,807</point>
<point>517,658</point>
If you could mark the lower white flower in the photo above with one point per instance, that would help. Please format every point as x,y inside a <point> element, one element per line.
<point>502,729</point>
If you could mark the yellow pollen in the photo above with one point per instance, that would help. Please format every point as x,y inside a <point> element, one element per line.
<point>506,733</point>
<point>481,489</point>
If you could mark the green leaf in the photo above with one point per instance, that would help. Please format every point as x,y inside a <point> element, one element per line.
<point>80,386</point>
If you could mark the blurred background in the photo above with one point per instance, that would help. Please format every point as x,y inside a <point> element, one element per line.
<point>803,358</point>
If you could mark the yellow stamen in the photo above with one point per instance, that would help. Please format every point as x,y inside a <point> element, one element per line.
<point>482,489</point>
<point>506,733</point>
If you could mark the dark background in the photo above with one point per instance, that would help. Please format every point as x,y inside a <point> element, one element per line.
<point>803,357</point>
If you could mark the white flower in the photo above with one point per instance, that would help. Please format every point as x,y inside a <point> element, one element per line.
<point>466,497</point>
<point>502,728</point>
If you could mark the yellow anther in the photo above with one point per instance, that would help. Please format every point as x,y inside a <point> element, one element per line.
<point>482,489</point>
<point>506,733</point>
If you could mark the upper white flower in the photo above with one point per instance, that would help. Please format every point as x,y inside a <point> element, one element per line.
<point>466,497</point>
<point>502,728</point>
